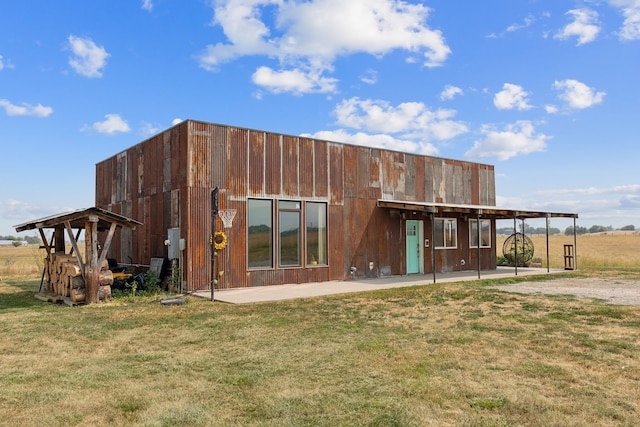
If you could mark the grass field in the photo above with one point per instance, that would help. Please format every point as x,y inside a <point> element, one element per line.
<point>448,354</point>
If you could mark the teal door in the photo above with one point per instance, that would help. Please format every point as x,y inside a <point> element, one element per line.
<point>413,247</point>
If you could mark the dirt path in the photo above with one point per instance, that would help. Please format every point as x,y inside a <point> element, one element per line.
<point>614,291</point>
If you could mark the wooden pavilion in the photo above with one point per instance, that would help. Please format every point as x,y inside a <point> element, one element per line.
<point>59,282</point>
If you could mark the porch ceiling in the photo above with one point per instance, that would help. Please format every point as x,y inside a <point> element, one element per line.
<point>485,211</point>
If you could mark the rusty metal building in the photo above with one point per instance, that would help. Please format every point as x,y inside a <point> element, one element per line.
<point>307,210</point>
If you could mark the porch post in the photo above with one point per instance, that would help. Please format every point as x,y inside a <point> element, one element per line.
<point>515,235</point>
<point>433,253</point>
<point>479,234</point>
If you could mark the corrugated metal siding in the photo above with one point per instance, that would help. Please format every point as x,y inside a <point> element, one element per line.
<point>166,182</point>
<point>290,167</point>
<point>307,166</point>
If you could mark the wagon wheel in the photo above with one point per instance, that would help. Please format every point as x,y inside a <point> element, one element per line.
<point>524,247</point>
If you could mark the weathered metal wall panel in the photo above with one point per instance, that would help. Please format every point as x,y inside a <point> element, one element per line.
<point>290,166</point>
<point>256,163</point>
<point>321,169</point>
<point>273,164</point>
<point>237,155</point>
<point>218,156</point>
<point>197,231</point>
<point>199,150</point>
<point>306,167</point>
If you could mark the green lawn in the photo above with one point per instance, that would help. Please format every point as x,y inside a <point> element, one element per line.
<point>448,354</point>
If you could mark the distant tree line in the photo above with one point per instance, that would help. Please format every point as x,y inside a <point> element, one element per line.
<point>568,231</point>
<point>31,240</point>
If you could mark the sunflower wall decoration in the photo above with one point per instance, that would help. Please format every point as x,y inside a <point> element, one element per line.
<point>219,240</point>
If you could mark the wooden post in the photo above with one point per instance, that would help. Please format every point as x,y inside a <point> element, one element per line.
<point>92,272</point>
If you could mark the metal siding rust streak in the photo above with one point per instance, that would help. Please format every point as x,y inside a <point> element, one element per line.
<point>235,254</point>
<point>410,178</point>
<point>198,232</point>
<point>429,183</point>
<point>290,163</point>
<point>307,166</point>
<point>218,157</point>
<point>165,140</point>
<point>321,169</point>
<point>362,171</point>
<point>180,136</point>
<point>273,164</point>
<point>350,169</point>
<point>256,163</point>
<point>199,150</point>
<point>337,259</point>
<point>419,178</point>
<point>474,182</point>
<point>337,174</point>
<point>150,162</point>
<point>237,146</point>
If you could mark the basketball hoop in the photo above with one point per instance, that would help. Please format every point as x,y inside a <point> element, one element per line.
<point>227,216</point>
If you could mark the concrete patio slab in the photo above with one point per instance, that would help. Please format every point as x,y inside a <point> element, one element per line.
<point>308,290</point>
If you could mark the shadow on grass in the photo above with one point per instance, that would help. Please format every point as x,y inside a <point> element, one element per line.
<point>18,293</point>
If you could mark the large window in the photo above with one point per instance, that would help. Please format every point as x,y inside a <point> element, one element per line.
<point>260,233</point>
<point>316,233</point>
<point>445,233</point>
<point>485,233</point>
<point>289,233</point>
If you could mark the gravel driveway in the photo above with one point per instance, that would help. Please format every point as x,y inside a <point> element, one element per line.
<point>614,291</point>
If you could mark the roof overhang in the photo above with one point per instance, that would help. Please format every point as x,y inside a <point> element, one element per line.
<point>79,218</point>
<point>485,211</point>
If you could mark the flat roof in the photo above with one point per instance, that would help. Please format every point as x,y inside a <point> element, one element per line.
<point>491,211</point>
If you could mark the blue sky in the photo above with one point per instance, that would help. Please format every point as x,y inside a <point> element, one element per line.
<point>546,91</point>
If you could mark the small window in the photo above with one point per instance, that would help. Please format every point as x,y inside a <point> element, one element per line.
<point>260,233</point>
<point>445,233</point>
<point>485,233</point>
<point>316,233</point>
<point>289,233</point>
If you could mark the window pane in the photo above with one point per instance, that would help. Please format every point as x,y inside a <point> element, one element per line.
<point>485,233</point>
<point>316,229</point>
<point>438,233</point>
<point>259,234</point>
<point>451,233</point>
<point>289,222</point>
<point>473,233</point>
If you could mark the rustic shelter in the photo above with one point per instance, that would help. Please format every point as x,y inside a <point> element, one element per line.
<point>70,277</point>
<point>307,210</point>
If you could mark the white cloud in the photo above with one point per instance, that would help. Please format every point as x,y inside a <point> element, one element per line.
<point>370,77</point>
<point>511,97</point>
<point>585,26</point>
<point>525,24</point>
<point>578,95</point>
<point>307,36</point>
<point>410,120</point>
<point>450,92</point>
<point>176,121</point>
<point>89,59</point>
<point>551,109</point>
<point>1,63</point>
<point>514,140</point>
<point>296,81</point>
<point>631,11</point>
<point>148,129</point>
<point>147,5</point>
<point>25,109</point>
<point>113,124</point>
<point>20,212</point>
